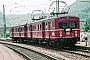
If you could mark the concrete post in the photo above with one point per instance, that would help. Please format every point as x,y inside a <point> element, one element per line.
<point>89,38</point>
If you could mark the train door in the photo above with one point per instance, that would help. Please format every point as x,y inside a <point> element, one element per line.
<point>43,30</point>
<point>25,31</point>
<point>31,31</point>
<point>49,27</point>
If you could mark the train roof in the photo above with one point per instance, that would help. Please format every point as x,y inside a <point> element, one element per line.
<point>53,18</point>
<point>19,26</point>
<point>47,19</point>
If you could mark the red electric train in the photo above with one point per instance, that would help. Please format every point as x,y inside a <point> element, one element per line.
<point>63,30</point>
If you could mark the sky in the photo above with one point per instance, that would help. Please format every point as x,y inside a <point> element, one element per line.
<point>27,6</point>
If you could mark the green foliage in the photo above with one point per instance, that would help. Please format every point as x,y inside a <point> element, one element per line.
<point>7,34</point>
<point>86,27</point>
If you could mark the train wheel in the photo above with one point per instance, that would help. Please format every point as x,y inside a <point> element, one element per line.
<point>40,42</point>
<point>57,44</point>
<point>47,43</point>
<point>62,45</point>
<point>72,45</point>
<point>13,41</point>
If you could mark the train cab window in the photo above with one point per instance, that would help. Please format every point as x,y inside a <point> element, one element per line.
<point>62,25</point>
<point>72,24</point>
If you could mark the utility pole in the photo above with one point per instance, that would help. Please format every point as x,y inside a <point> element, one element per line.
<point>57,6</point>
<point>4,22</point>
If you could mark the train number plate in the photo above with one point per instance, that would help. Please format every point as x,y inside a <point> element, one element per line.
<point>67,33</point>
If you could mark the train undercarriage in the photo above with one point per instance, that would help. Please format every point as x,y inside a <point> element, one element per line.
<point>61,42</point>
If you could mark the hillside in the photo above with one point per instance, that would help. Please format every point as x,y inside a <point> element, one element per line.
<point>81,10</point>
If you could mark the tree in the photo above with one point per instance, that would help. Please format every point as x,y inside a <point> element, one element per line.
<point>86,27</point>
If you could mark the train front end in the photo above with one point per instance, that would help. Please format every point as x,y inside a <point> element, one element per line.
<point>68,30</point>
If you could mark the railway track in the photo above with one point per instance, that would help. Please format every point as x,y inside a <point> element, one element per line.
<point>78,53</point>
<point>81,52</point>
<point>28,53</point>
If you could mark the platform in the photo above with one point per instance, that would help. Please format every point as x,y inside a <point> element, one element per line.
<point>82,44</point>
<point>8,54</point>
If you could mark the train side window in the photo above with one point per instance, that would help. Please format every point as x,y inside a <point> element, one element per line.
<point>49,25</point>
<point>35,28</point>
<point>46,27</point>
<point>21,29</point>
<point>72,24</point>
<point>32,28</point>
<point>52,25</point>
<point>15,29</point>
<point>18,29</point>
<point>28,28</point>
<point>40,27</point>
<point>62,25</point>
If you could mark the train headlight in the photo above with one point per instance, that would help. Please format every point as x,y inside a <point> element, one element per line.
<point>67,33</point>
<point>53,33</point>
<point>60,34</point>
<point>68,29</point>
<point>76,33</point>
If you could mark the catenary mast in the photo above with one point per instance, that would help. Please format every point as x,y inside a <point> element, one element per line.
<point>4,22</point>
